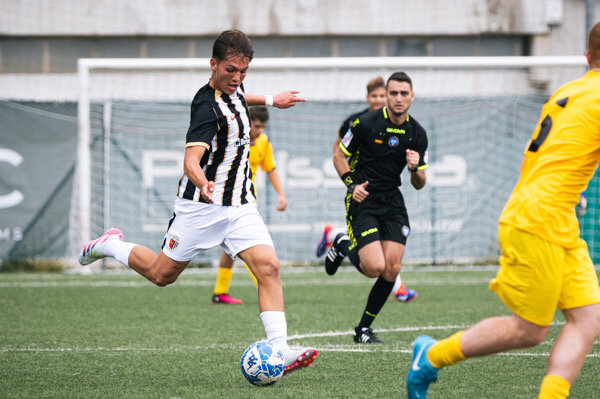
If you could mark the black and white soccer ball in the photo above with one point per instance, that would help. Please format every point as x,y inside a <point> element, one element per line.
<point>262,364</point>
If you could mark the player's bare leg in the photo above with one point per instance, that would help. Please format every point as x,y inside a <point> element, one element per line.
<point>379,259</point>
<point>264,264</point>
<point>372,259</point>
<point>392,253</point>
<point>574,341</point>
<point>499,334</point>
<point>158,269</point>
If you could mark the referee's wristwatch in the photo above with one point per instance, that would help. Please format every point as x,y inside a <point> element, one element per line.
<point>348,181</point>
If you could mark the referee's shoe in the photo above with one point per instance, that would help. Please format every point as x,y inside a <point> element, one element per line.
<point>334,257</point>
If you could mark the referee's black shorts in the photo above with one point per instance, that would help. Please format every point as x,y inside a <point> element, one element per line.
<point>380,216</point>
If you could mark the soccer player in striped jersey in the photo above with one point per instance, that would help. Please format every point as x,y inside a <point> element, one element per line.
<point>376,100</point>
<point>261,154</point>
<point>215,204</point>
<point>544,264</point>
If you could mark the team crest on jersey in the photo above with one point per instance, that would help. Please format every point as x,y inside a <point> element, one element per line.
<point>393,141</point>
<point>347,139</point>
<point>405,231</point>
<point>173,242</point>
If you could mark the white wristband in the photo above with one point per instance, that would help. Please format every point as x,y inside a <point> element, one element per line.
<point>269,100</point>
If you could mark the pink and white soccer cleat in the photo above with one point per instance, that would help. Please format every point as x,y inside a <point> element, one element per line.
<point>93,250</point>
<point>295,360</point>
<point>226,299</point>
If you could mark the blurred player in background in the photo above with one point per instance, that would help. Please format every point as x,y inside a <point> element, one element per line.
<point>216,204</point>
<point>376,99</point>
<point>369,159</point>
<point>261,154</point>
<point>544,262</point>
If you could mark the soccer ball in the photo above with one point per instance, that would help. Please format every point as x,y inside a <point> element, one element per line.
<point>262,364</point>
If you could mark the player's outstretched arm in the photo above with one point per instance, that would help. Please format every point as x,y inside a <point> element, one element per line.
<point>191,167</point>
<point>284,99</point>
<point>276,183</point>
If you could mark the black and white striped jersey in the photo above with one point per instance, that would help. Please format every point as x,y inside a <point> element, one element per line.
<point>221,123</point>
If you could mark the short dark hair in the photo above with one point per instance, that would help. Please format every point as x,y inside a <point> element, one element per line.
<point>232,43</point>
<point>399,77</point>
<point>375,83</point>
<point>594,45</point>
<point>259,112</point>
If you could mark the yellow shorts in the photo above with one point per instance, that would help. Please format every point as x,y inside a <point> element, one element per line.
<point>537,276</point>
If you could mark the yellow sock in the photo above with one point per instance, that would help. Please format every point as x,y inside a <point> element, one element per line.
<point>554,387</point>
<point>252,275</point>
<point>446,352</point>
<point>223,280</point>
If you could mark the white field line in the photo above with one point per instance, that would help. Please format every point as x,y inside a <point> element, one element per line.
<point>206,283</point>
<point>328,348</point>
<point>323,348</point>
<point>399,329</point>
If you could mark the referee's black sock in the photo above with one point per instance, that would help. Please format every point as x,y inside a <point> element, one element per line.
<point>344,246</point>
<point>377,297</point>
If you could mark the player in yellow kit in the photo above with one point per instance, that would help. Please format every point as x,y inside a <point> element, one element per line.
<point>544,264</point>
<point>261,154</point>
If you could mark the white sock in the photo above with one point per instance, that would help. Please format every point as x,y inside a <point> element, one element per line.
<point>119,250</point>
<point>397,284</point>
<point>276,329</point>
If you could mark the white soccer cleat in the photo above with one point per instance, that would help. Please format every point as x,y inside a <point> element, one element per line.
<point>94,250</point>
<point>295,360</point>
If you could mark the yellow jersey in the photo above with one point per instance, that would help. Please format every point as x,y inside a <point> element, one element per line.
<point>261,154</point>
<point>560,159</point>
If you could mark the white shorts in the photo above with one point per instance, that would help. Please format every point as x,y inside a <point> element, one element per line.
<point>197,226</point>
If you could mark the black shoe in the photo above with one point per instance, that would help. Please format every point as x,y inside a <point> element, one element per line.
<point>334,257</point>
<point>365,335</point>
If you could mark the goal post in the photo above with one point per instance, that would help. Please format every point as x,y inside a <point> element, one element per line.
<point>154,94</point>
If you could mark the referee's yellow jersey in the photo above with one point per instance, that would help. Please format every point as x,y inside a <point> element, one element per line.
<point>261,154</point>
<point>559,161</point>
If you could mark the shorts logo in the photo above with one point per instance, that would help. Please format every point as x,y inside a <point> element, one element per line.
<point>367,232</point>
<point>405,231</point>
<point>173,243</point>
<point>393,141</point>
<point>347,139</point>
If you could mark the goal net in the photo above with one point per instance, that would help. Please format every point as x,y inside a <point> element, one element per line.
<point>479,112</point>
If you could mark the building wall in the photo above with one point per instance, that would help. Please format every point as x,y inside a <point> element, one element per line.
<point>41,40</point>
<point>273,17</point>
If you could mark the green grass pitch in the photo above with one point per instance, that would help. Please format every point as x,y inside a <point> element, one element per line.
<point>117,335</point>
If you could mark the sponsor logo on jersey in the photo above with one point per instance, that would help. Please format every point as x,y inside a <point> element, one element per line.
<point>378,141</point>
<point>242,142</point>
<point>393,141</point>
<point>173,242</point>
<point>405,231</point>
<point>394,130</point>
<point>347,138</point>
